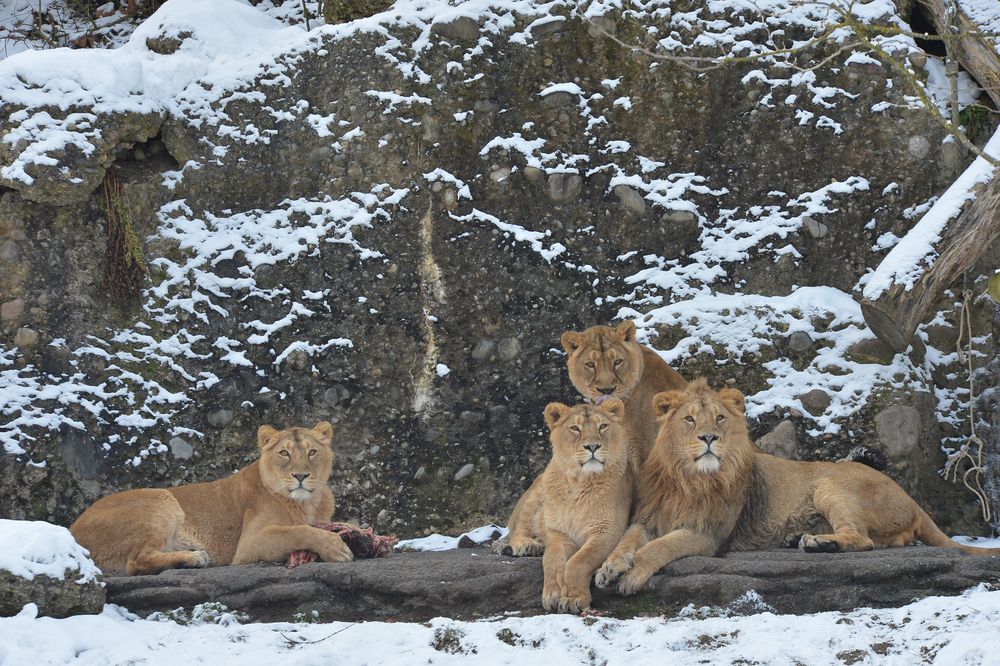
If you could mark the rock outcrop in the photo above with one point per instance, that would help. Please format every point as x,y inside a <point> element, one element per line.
<point>475,583</point>
<point>54,597</point>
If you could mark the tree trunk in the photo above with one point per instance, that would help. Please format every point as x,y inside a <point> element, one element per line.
<point>895,314</point>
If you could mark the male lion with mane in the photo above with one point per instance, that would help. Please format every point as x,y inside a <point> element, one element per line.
<point>578,508</point>
<point>705,490</point>
<point>261,513</point>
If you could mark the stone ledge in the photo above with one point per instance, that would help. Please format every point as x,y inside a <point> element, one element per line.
<point>475,583</point>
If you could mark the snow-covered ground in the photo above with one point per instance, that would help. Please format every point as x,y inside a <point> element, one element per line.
<point>936,630</point>
<point>30,548</point>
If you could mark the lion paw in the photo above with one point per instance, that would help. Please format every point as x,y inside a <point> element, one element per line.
<point>574,604</point>
<point>633,581</point>
<point>612,570</point>
<point>525,548</point>
<point>810,543</point>
<point>550,599</point>
<point>198,559</point>
<point>337,552</point>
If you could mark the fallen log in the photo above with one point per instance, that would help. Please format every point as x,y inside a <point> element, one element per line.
<point>475,583</point>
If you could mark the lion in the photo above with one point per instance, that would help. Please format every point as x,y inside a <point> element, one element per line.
<point>263,512</point>
<point>605,361</point>
<point>578,509</point>
<point>705,490</point>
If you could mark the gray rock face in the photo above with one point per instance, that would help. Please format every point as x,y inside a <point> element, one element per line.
<point>815,401</point>
<point>799,342</point>
<point>180,448</point>
<point>898,430</point>
<point>475,583</point>
<point>780,441</point>
<point>54,598</point>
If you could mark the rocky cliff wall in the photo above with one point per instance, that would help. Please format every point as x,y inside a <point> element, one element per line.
<point>388,224</point>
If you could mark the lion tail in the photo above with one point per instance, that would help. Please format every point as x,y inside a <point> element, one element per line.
<point>929,533</point>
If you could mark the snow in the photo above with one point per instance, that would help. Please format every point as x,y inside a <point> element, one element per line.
<point>37,548</point>
<point>936,630</point>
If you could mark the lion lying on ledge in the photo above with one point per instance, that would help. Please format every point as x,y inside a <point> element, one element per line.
<point>705,490</point>
<point>261,513</point>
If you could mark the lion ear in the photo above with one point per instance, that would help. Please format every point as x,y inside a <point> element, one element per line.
<point>571,341</point>
<point>554,412</point>
<point>733,398</point>
<point>266,436</point>
<point>626,330</point>
<point>614,407</point>
<point>324,431</point>
<point>664,402</point>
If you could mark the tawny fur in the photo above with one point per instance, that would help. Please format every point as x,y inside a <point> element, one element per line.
<point>603,357</point>
<point>692,504</point>
<point>577,510</point>
<point>260,513</point>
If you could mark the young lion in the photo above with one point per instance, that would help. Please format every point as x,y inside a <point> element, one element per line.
<point>261,513</point>
<point>605,361</point>
<point>704,490</point>
<point>579,506</point>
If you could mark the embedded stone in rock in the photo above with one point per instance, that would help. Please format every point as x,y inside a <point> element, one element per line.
<point>180,448</point>
<point>918,59</point>
<point>421,473</point>
<point>166,45</point>
<point>799,342</point>
<point>679,217</point>
<point>466,470</point>
<point>814,228</point>
<point>558,98</point>
<point>54,598</point>
<point>815,401</point>
<point>870,350</point>
<point>336,395</point>
<point>11,312</point>
<point>298,359</point>
<point>483,350</point>
<point>534,175</point>
<point>77,449</point>
<point>8,251</point>
<point>898,430</point>
<point>564,187</point>
<point>780,441</point>
<point>546,28</point>
<point>462,28</point>
<point>918,147</point>
<point>220,418</point>
<point>630,199</point>
<point>25,338</point>
<point>500,175</point>
<point>509,349</point>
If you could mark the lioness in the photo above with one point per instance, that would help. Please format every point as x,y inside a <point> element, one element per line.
<point>605,361</point>
<point>578,508</point>
<point>704,490</point>
<point>261,513</point>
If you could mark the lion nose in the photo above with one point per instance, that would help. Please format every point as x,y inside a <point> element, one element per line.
<point>708,439</point>
<point>592,447</point>
<point>301,477</point>
<point>606,391</point>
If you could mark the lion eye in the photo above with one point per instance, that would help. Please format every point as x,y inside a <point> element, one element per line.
<point>689,418</point>
<point>285,454</point>
<point>602,427</point>
<point>312,452</point>
<point>720,418</point>
<point>575,429</point>
<point>618,362</point>
<point>589,364</point>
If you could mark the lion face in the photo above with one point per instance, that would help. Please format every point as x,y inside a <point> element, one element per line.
<point>700,429</point>
<point>604,361</point>
<point>588,438</point>
<point>295,461</point>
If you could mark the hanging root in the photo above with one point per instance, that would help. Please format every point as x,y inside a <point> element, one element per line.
<point>124,265</point>
<point>972,450</point>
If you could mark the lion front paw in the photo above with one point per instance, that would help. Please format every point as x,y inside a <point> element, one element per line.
<point>336,552</point>
<point>633,581</point>
<point>810,543</point>
<point>550,597</point>
<point>575,604</point>
<point>197,559</point>
<point>612,570</point>
<point>525,548</point>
